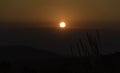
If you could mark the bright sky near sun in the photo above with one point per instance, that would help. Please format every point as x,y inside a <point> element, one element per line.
<point>62,24</point>
<point>52,10</point>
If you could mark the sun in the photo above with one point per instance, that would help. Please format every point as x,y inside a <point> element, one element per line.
<point>62,24</point>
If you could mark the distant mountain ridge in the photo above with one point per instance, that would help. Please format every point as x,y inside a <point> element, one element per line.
<point>25,52</point>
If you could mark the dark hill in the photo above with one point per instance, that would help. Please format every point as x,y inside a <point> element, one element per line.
<point>25,52</point>
<point>24,58</point>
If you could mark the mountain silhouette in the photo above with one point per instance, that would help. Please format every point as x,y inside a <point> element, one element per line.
<point>26,53</point>
<point>25,58</point>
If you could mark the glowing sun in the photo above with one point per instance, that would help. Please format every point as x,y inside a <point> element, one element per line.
<point>62,24</point>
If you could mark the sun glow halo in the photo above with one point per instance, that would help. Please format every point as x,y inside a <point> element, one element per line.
<point>62,24</point>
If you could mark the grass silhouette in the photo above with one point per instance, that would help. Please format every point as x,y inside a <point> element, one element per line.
<point>93,42</point>
<point>88,60</point>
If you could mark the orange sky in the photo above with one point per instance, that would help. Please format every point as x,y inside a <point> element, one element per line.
<point>55,10</point>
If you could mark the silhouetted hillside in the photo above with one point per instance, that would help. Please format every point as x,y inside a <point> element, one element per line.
<point>24,59</point>
<point>108,63</point>
<point>25,52</point>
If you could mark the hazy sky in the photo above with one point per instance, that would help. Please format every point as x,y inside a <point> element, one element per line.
<point>55,10</point>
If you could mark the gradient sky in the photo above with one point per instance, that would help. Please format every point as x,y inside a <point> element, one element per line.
<point>55,10</point>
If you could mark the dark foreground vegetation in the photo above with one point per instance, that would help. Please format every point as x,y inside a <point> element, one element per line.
<point>101,64</point>
<point>22,59</point>
<point>32,62</point>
